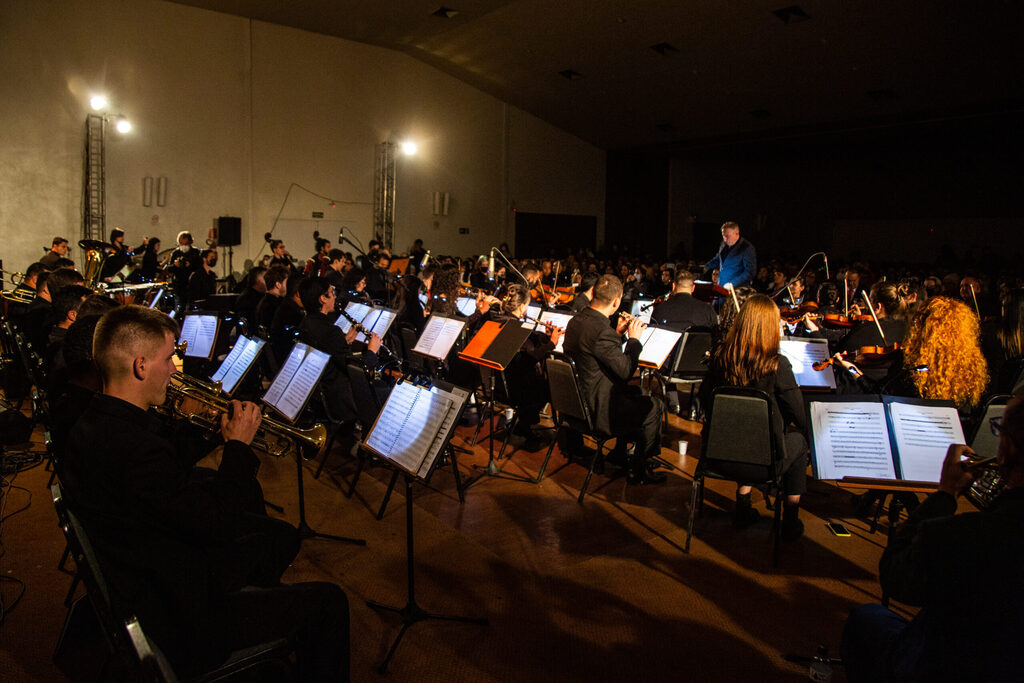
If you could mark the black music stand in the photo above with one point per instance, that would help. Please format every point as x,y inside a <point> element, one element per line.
<point>306,531</point>
<point>494,347</point>
<point>411,612</point>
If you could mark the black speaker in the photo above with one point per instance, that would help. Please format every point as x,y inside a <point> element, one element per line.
<point>229,231</point>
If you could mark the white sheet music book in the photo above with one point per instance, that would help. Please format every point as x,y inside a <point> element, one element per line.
<point>295,381</point>
<point>533,311</point>
<point>658,344</point>
<point>438,336</point>
<point>378,320</point>
<point>900,439</point>
<point>357,311</point>
<point>200,331</point>
<point>466,305</point>
<point>558,320</point>
<point>408,425</point>
<point>239,361</point>
<point>802,353</point>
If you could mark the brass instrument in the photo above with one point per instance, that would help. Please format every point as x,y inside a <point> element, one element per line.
<point>273,437</point>
<point>95,254</point>
<point>15,296</point>
<point>15,277</point>
<point>987,486</point>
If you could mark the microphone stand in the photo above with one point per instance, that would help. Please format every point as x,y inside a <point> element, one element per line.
<point>801,272</point>
<point>509,264</point>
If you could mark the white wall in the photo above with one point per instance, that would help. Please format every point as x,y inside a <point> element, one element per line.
<point>233,112</point>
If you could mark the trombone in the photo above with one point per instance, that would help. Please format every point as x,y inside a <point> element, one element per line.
<point>274,437</point>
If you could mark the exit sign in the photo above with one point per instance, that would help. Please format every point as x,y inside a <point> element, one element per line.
<point>318,214</point>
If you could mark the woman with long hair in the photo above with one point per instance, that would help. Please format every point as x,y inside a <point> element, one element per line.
<point>1011,339</point>
<point>749,356</point>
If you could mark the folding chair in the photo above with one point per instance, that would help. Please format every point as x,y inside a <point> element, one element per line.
<point>740,435</point>
<point>689,366</point>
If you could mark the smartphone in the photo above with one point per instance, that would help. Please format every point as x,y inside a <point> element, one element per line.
<point>837,529</point>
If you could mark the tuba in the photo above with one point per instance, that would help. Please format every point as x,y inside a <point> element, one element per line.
<point>95,255</point>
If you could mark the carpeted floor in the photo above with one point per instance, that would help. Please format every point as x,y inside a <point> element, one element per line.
<point>592,592</point>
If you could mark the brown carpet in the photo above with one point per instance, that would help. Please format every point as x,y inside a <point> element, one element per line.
<point>592,592</point>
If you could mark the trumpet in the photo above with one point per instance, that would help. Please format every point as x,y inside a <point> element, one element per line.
<point>274,437</point>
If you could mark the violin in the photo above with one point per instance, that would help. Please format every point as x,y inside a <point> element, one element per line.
<point>865,355</point>
<point>792,314</point>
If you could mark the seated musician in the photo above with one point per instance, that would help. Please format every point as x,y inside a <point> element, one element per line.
<point>275,280</point>
<point>318,263</point>
<point>285,322</point>
<point>794,296</point>
<point>480,278</point>
<point>38,318</point>
<point>963,570</point>
<point>203,282</point>
<point>682,311</point>
<point>335,272</point>
<point>585,293</point>
<point>604,372</point>
<point>319,331</point>
<point>117,258</point>
<point>527,387</point>
<point>65,310</point>
<point>407,304</point>
<point>353,288</point>
<point>255,289</point>
<point>150,260</point>
<point>1010,377</point>
<point>749,357</point>
<point>24,292</point>
<point>195,559</point>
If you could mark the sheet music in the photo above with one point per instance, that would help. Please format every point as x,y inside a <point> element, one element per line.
<point>658,344</point>
<point>851,439</point>
<point>378,321</point>
<point>458,397</point>
<point>533,311</point>
<point>238,362</point>
<point>923,435</point>
<point>420,430</point>
<point>466,305</point>
<point>357,311</point>
<point>343,323</point>
<point>558,320</point>
<point>295,395</point>
<point>200,331</point>
<point>438,336</point>
<point>802,355</point>
<point>386,430</point>
<point>643,315</point>
<point>285,374</point>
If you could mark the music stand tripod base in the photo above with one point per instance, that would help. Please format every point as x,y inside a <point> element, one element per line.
<point>306,531</point>
<point>412,613</point>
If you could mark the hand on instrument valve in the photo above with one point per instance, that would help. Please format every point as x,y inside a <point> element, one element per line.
<point>350,336</point>
<point>243,423</point>
<point>375,342</point>
<point>956,475</point>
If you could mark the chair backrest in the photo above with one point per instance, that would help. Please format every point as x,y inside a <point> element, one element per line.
<point>414,360</point>
<point>152,665</point>
<point>984,442</point>
<point>566,398</point>
<point>740,429</point>
<point>691,359</point>
<point>367,404</point>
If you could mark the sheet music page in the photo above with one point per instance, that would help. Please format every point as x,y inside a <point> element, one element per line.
<point>420,430</point>
<point>533,310</point>
<point>658,343</point>
<point>388,427</point>
<point>284,375</point>
<point>923,435</point>
<point>357,311</point>
<point>368,321</point>
<point>457,396</point>
<point>466,305</point>
<point>851,440</point>
<point>243,353</point>
<point>189,327</point>
<point>427,340</point>
<point>383,322</point>
<point>201,345</point>
<point>558,320</point>
<point>297,393</point>
<point>802,356</point>
<point>438,336</point>
<point>645,315</point>
<point>343,323</point>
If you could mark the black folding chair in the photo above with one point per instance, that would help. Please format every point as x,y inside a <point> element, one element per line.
<point>690,365</point>
<point>570,411</point>
<point>739,437</point>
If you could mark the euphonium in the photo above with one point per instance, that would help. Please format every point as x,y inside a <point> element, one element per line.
<point>987,486</point>
<point>274,437</point>
<point>94,259</point>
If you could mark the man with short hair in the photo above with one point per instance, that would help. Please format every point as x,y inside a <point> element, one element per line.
<point>963,570</point>
<point>203,282</point>
<point>585,292</point>
<point>682,311</point>
<point>190,556</point>
<point>275,280</point>
<point>58,249</point>
<point>249,299</point>
<point>736,259</point>
<point>605,368</point>
<point>65,311</point>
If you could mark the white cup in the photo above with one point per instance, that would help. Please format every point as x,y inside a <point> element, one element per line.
<point>682,447</point>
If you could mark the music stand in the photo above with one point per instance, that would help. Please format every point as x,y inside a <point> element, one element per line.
<point>281,397</point>
<point>494,347</point>
<point>443,405</point>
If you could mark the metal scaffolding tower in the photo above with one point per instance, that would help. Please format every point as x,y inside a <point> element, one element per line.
<point>384,194</point>
<point>94,203</point>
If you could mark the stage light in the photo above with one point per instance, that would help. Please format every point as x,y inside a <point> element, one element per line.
<point>123,125</point>
<point>409,148</point>
<point>98,102</point>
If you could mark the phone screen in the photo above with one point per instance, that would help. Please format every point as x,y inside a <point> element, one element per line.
<point>837,529</point>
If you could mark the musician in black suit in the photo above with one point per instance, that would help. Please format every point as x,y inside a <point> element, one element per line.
<point>604,372</point>
<point>585,293</point>
<point>682,311</point>
<point>177,545</point>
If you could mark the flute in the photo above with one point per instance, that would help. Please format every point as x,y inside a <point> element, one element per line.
<point>631,318</point>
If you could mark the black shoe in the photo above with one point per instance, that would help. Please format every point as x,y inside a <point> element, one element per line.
<point>617,458</point>
<point>646,476</point>
<point>792,529</point>
<point>581,455</point>
<point>745,517</point>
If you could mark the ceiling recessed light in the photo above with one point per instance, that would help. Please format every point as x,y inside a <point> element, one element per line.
<point>445,12</point>
<point>570,74</point>
<point>791,14</point>
<point>665,49</point>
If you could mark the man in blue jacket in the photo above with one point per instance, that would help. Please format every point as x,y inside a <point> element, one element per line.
<point>736,259</point>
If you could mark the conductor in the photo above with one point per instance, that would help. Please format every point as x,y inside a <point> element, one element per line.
<point>736,259</point>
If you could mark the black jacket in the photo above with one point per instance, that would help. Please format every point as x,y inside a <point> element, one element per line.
<point>604,368</point>
<point>320,332</point>
<point>682,312</point>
